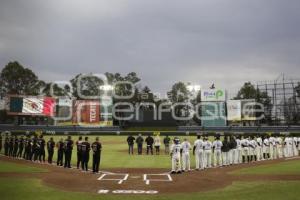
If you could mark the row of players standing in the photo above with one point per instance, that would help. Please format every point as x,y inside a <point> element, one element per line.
<point>150,142</point>
<point>232,150</point>
<point>33,149</point>
<point>25,148</point>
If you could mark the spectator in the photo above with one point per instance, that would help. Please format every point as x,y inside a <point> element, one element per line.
<point>140,141</point>
<point>149,141</point>
<point>157,144</point>
<point>130,141</point>
<point>167,144</point>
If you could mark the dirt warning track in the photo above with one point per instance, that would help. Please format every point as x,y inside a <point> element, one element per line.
<point>142,181</point>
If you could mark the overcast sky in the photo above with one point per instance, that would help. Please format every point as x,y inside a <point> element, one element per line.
<point>226,42</point>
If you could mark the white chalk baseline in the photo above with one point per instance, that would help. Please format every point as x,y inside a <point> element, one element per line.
<point>119,180</point>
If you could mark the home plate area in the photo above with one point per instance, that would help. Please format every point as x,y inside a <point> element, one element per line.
<point>126,183</point>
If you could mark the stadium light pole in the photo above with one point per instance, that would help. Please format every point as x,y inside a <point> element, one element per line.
<point>107,97</point>
<point>106,87</point>
<point>193,88</point>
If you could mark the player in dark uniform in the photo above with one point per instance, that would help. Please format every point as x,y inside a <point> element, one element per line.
<point>232,146</point>
<point>35,149</point>
<point>167,144</point>
<point>41,145</point>
<point>130,141</point>
<point>79,151</point>
<point>225,150</point>
<point>50,149</point>
<point>96,147</point>
<point>60,152</point>
<point>16,146</point>
<point>25,148</point>
<point>85,148</point>
<point>21,147</point>
<point>11,146</point>
<point>139,141</point>
<point>149,141</point>
<point>68,151</point>
<point>6,145</point>
<point>27,152</point>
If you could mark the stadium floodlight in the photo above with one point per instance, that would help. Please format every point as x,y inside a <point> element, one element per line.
<point>106,87</point>
<point>193,88</point>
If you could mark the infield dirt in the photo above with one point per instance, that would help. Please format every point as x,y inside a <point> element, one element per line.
<point>194,181</point>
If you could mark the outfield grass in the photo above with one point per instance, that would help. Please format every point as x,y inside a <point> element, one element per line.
<point>290,167</point>
<point>114,154</point>
<point>7,167</point>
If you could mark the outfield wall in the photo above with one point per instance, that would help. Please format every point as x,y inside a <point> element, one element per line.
<point>75,130</point>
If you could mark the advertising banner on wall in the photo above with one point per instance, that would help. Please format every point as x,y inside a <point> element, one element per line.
<point>86,111</point>
<point>31,105</point>
<point>213,95</point>
<point>234,110</point>
<point>213,114</point>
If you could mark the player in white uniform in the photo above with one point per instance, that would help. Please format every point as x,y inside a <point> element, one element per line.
<point>252,149</point>
<point>245,147</point>
<point>259,152</point>
<point>279,146</point>
<point>198,151</point>
<point>175,150</point>
<point>207,153</point>
<point>185,148</point>
<point>266,148</point>
<point>217,145</point>
<point>299,145</point>
<point>285,147</point>
<point>291,153</point>
<point>289,146</point>
<point>295,146</point>
<point>272,146</point>
<point>238,157</point>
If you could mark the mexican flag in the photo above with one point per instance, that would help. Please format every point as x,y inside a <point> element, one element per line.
<point>33,105</point>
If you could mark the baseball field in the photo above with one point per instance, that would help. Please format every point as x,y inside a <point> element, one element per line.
<point>126,176</point>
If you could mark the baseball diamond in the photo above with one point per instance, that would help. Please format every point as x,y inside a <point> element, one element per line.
<point>149,100</point>
<point>121,173</point>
